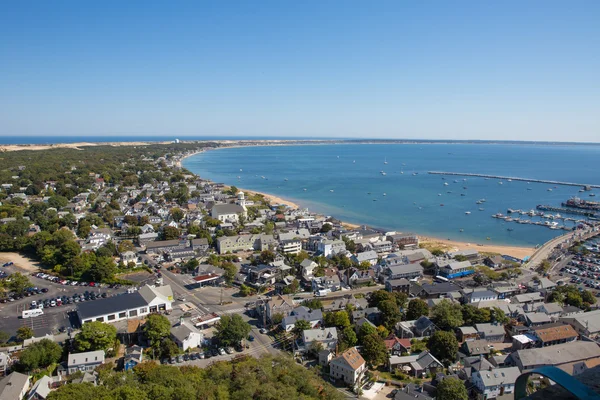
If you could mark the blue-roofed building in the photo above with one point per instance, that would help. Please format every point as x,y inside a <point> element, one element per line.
<point>455,269</point>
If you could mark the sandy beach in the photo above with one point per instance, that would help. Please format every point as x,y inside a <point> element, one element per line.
<point>75,146</point>
<point>452,245</point>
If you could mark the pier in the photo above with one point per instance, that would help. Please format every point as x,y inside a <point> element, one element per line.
<point>513,178</point>
<point>567,210</point>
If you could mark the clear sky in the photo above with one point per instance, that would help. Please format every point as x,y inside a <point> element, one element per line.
<point>389,69</point>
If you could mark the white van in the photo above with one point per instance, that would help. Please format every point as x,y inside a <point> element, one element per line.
<point>31,313</point>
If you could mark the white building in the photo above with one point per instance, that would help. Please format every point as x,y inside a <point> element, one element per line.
<point>84,362</point>
<point>131,305</point>
<point>227,212</point>
<point>187,336</point>
<point>496,382</point>
<point>348,366</point>
<point>331,247</point>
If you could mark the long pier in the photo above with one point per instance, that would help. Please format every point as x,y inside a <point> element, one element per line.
<point>514,178</point>
<point>567,210</point>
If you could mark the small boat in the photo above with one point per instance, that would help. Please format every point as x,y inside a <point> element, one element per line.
<point>455,181</point>
<point>439,194</point>
<point>510,180</point>
<point>385,194</point>
<point>481,209</point>
<point>462,230</point>
<point>402,172</point>
<point>415,173</point>
<point>529,189</point>
<point>331,190</point>
<point>305,189</point>
<point>239,177</point>
<point>500,183</point>
<point>383,173</point>
<point>241,170</point>
<point>353,161</point>
<point>488,238</point>
<point>385,160</point>
<point>464,187</point>
<point>510,229</point>
<point>263,177</point>
<point>442,205</point>
<point>549,189</point>
<point>592,195</point>
<point>286,179</point>
<point>462,194</point>
<point>445,183</point>
<point>468,212</point>
<point>374,199</point>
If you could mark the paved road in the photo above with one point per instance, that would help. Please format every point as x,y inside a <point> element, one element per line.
<point>543,252</point>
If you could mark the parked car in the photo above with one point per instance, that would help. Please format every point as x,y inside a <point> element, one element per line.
<point>251,338</point>
<point>222,351</point>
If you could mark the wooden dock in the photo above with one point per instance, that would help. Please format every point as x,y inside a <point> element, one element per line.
<point>514,178</point>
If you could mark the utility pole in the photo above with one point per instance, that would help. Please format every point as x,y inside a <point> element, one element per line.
<point>221,302</point>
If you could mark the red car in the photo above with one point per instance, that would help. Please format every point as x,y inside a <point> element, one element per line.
<point>92,284</point>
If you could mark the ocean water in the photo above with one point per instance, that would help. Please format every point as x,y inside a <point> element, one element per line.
<point>338,179</point>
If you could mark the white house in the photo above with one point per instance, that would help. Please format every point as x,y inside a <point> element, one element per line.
<point>84,362</point>
<point>313,317</point>
<point>14,386</point>
<point>495,382</point>
<point>331,247</point>
<point>227,212</point>
<point>348,366</point>
<point>187,336</point>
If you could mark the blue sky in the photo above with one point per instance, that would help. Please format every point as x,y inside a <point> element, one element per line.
<point>388,69</point>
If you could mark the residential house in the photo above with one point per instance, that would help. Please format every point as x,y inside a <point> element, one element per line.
<point>326,337</point>
<point>586,324</point>
<point>490,332</point>
<point>553,310</point>
<point>468,254</point>
<point>4,363</point>
<point>396,346</point>
<point>454,269</point>
<point>128,256</point>
<point>84,362</point>
<point>359,276</point>
<point>329,248</point>
<point>407,271</point>
<point>245,243</point>
<point>133,356</point>
<point>308,267</point>
<point>494,262</point>
<point>435,290</point>
<point>466,333</point>
<point>397,285</point>
<point>476,296</point>
<point>280,304</point>
<point>552,334</point>
<point>403,240</point>
<point>290,246</point>
<point>40,389</point>
<point>14,386</point>
<point>421,327</point>
<point>372,314</point>
<point>526,298</point>
<point>348,366</point>
<point>164,246</point>
<point>476,348</point>
<point>496,382</point>
<point>366,256</point>
<point>533,319</point>
<point>558,355</point>
<point>187,336</point>
<point>200,245</point>
<point>313,317</point>
<point>418,365</point>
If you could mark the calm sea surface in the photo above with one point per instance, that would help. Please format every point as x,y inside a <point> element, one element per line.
<point>336,180</point>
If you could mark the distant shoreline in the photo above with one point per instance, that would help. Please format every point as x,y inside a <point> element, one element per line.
<point>228,143</point>
<point>515,251</point>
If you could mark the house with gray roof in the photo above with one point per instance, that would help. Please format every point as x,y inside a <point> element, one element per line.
<point>556,355</point>
<point>476,347</point>
<point>366,256</point>
<point>227,212</point>
<point>186,336</point>
<point>407,271</point>
<point>418,365</point>
<point>476,296</point>
<point>495,382</point>
<point>14,386</point>
<point>586,324</point>
<point>84,362</point>
<point>40,389</point>
<point>313,317</point>
<point>327,337</point>
<point>491,332</point>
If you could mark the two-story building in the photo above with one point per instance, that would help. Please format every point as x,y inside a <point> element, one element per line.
<point>495,382</point>
<point>349,366</point>
<point>84,362</point>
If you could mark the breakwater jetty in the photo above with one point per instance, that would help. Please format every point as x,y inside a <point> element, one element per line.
<point>514,178</point>
<point>543,207</point>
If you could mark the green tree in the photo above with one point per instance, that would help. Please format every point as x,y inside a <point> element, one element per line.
<point>444,346</point>
<point>80,391</point>
<point>379,296</point>
<point>277,318</point>
<point>588,297</point>
<point>24,332</point>
<point>473,315</point>
<point>57,202</point>
<point>451,389</point>
<point>390,313</point>
<point>498,316</point>
<point>300,326</point>
<point>19,282</point>
<point>374,350</point>
<point>313,304</point>
<point>192,264</point>
<point>245,290</point>
<point>338,319</point>
<point>104,269</point>
<point>416,309</point>
<point>230,271</point>
<point>126,245</point>
<point>364,265</point>
<point>40,355</point>
<point>365,330</point>
<point>156,329</point>
<point>447,315</point>
<point>231,329</point>
<point>4,337</point>
<point>95,335</point>
<point>177,214</point>
<point>169,233</point>
<point>349,337</point>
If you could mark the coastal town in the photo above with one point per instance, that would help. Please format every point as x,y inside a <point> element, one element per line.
<point>122,261</point>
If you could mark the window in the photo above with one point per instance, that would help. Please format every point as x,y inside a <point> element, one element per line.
<point>122,315</point>
<point>111,317</point>
<point>143,310</point>
<point>86,359</point>
<point>133,313</point>
<point>101,319</point>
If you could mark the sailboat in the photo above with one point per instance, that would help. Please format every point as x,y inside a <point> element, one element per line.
<point>385,160</point>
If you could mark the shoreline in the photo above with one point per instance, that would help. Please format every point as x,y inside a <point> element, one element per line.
<point>429,241</point>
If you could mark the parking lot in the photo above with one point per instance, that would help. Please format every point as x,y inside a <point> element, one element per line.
<point>581,269</point>
<point>58,301</point>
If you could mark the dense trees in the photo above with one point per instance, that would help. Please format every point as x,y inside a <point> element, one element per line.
<point>374,350</point>
<point>265,378</point>
<point>40,355</point>
<point>339,319</point>
<point>95,336</point>
<point>444,346</point>
<point>24,333</point>
<point>570,295</point>
<point>416,309</point>
<point>231,330</point>
<point>156,329</point>
<point>447,315</point>
<point>451,389</point>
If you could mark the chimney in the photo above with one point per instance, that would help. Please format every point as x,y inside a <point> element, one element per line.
<point>181,320</point>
